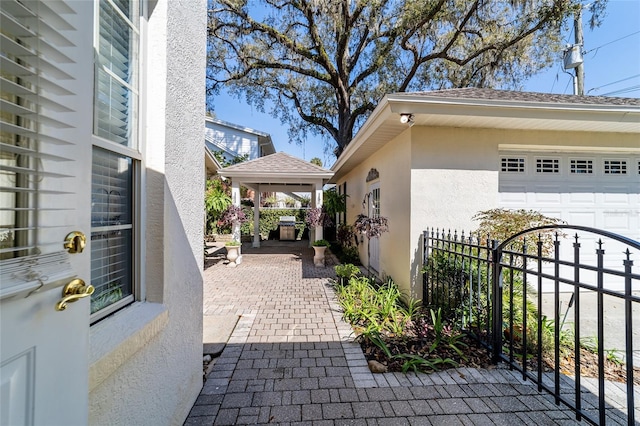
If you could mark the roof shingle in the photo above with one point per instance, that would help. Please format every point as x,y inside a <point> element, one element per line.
<point>278,163</point>
<point>512,95</point>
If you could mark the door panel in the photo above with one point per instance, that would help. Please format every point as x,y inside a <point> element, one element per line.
<point>47,123</point>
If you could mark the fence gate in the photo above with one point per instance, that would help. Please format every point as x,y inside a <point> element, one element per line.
<point>560,304</point>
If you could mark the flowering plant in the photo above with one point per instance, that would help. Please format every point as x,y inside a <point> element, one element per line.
<point>371,227</point>
<point>316,216</point>
<point>231,215</point>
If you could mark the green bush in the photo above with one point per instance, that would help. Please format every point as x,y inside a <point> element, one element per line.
<point>269,220</point>
<point>347,270</point>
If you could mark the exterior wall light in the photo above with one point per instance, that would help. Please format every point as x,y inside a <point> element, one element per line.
<point>406,118</point>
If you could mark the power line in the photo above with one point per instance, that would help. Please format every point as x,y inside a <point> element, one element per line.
<point>615,82</point>
<point>611,42</point>
<point>625,90</point>
<point>565,87</point>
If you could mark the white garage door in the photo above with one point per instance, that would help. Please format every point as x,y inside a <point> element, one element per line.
<point>601,191</point>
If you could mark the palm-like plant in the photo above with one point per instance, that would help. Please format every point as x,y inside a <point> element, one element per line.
<point>216,200</point>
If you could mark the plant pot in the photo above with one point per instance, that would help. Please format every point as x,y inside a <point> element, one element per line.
<point>234,255</point>
<point>318,257</point>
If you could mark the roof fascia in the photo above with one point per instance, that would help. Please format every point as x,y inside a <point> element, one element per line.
<point>277,176</point>
<point>399,100</point>
<point>237,127</point>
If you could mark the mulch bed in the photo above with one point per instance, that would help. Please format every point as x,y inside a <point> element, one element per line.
<point>477,356</point>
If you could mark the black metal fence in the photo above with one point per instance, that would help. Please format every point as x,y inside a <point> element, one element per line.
<point>555,311</point>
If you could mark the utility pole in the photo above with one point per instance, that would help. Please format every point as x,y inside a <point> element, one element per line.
<point>579,70</point>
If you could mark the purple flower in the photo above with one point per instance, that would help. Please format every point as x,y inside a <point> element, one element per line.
<point>371,227</point>
<point>233,214</point>
<point>315,216</point>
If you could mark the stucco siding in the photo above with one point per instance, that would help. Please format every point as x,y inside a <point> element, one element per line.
<point>393,163</point>
<point>453,176</point>
<point>162,376</point>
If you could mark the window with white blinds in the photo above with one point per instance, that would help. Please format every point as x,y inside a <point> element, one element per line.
<point>111,229</point>
<point>116,95</point>
<point>113,172</point>
<point>35,38</point>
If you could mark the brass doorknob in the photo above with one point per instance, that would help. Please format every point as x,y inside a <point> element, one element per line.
<point>75,242</point>
<point>75,290</point>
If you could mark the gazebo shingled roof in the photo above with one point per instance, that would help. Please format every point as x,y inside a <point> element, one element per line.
<point>279,172</point>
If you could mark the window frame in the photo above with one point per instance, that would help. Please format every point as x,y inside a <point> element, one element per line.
<point>133,152</point>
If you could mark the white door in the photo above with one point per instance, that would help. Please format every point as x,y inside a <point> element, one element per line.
<point>374,211</point>
<point>45,165</point>
<point>587,189</point>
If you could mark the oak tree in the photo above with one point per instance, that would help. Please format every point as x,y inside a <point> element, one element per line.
<point>323,65</point>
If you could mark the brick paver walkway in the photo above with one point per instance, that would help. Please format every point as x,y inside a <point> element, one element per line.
<point>290,361</point>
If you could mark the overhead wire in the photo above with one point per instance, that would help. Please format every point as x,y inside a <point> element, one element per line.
<point>614,82</point>
<point>611,42</point>
<point>625,90</point>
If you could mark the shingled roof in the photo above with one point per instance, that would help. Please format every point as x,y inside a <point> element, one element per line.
<point>278,163</point>
<point>278,169</point>
<point>511,95</point>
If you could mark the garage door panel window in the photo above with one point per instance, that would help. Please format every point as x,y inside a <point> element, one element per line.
<point>615,167</point>
<point>547,165</point>
<point>580,166</point>
<point>513,164</point>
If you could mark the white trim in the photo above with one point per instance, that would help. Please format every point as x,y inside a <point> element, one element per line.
<point>568,148</point>
<point>237,127</point>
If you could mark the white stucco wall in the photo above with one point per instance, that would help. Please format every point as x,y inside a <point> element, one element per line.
<point>155,371</point>
<point>393,162</point>
<point>441,177</point>
<point>455,171</point>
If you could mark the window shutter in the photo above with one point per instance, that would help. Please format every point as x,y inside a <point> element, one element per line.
<point>33,164</point>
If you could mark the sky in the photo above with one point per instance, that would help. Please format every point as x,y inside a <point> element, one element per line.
<point>611,64</point>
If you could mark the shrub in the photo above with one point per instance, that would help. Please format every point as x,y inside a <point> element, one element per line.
<point>346,271</point>
<point>346,235</point>
<point>501,224</point>
<point>269,220</point>
<point>216,200</point>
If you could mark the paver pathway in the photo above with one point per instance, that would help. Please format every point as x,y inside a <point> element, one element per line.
<point>290,361</point>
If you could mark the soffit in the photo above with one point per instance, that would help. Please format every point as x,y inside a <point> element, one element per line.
<point>516,114</point>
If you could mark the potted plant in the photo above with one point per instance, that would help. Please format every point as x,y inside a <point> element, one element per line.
<point>370,226</point>
<point>319,247</point>
<point>234,215</point>
<point>233,253</point>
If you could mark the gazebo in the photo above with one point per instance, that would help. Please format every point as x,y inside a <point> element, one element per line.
<point>279,172</point>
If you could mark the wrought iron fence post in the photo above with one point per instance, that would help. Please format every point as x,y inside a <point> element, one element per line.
<point>496,298</point>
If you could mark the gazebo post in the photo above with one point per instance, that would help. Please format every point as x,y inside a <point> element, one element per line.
<point>256,217</point>
<point>235,199</point>
<point>318,194</point>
